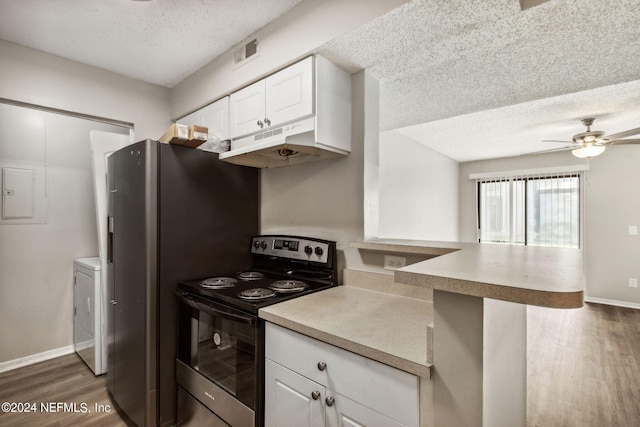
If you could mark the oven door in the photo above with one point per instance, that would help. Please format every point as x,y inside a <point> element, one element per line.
<point>218,358</point>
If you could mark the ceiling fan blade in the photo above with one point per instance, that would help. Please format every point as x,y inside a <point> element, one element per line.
<point>625,141</point>
<point>556,140</point>
<point>624,134</point>
<point>571,147</point>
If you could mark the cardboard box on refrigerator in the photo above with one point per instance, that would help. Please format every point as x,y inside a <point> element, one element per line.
<point>197,135</point>
<point>176,134</point>
<point>189,136</point>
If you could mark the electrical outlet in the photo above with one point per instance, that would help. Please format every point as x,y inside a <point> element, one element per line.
<point>392,262</point>
<point>633,282</point>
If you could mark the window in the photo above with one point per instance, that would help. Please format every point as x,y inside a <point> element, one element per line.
<point>534,211</point>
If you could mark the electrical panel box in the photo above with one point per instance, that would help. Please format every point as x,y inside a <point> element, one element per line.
<point>17,193</point>
<point>24,199</point>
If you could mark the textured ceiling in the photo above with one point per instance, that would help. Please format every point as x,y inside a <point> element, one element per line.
<point>160,41</point>
<point>472,79</point>
<point>476,79</point>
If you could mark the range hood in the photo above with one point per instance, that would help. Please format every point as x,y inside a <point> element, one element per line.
<point>287,145</point>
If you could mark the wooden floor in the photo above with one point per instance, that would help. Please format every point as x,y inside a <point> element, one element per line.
<point>65,379</point>
<point>583,367</point>
<point>583,370</point>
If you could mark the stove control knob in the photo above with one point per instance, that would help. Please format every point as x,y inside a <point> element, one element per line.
<point>256,244</point>
<point>308,250</point>
<point>263,244</point>
<point>319,251</point>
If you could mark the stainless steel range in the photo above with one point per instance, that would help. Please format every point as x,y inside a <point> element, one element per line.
<point>220,365</point>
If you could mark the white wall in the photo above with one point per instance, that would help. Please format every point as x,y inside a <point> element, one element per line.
<point>36,279</point>
<point>36,260</point>
<point>322,199</point>
<point>611,203</point>
<point>418,191</point>
<point>31,76</point>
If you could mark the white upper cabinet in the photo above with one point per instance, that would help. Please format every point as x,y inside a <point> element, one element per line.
<point>214,116</point>
<point>247,109</point>
<point>280,98</point>
<point>289,93</point>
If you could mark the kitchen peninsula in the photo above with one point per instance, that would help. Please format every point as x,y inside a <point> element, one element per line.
<point>480,293</point>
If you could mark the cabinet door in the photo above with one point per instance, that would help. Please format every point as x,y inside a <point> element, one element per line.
<point>289,398</point>
<point>246,110</point>
<point>345,412</point>
<point>289,93</point>
<point>216,118</point>
<point>190,120</point>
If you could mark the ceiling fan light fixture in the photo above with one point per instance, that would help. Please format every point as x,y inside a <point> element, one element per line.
<point>588,151</point>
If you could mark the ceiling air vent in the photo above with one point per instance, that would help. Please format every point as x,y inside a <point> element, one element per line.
<point>245,52</point>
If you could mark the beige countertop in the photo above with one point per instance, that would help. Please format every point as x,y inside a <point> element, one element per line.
<point>404,246</point>
<point>546,277</point>
<point>387,328</point>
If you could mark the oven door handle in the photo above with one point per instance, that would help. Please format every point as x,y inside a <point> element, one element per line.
<point>215,309</point>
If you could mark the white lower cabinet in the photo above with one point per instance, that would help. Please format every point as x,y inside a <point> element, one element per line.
<point>291,399</point>
<point>311,383</point>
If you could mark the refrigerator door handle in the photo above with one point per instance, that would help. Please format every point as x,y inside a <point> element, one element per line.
<point>110,229</point>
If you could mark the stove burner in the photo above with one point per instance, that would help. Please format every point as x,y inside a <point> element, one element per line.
<point>218,283</point>
<point>255,294</point>
<point>250,275</point>
<point>288,286</point>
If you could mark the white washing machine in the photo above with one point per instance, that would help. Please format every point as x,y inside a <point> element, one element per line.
<point>89,318</point>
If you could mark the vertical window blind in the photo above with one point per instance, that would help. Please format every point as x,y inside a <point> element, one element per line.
<point>534,210</point>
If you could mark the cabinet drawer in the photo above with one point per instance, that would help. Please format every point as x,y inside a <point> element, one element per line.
<point>387,390</point>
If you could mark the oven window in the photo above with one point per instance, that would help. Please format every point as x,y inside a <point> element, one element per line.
<point>223,350</point>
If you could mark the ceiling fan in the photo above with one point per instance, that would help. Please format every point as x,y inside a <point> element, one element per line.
<point>593,142</point>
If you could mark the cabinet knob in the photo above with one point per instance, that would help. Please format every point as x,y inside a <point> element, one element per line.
<point>322,366</point>
<point>267,121</point>
<point>330,401</point>
<point>315,395</point>
<point>260,124</point>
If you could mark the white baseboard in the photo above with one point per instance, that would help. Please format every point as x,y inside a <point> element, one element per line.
<point>613,302</point>
<point>35,358</point>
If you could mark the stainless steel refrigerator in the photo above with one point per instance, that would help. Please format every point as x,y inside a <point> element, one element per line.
<point>172,210</point>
